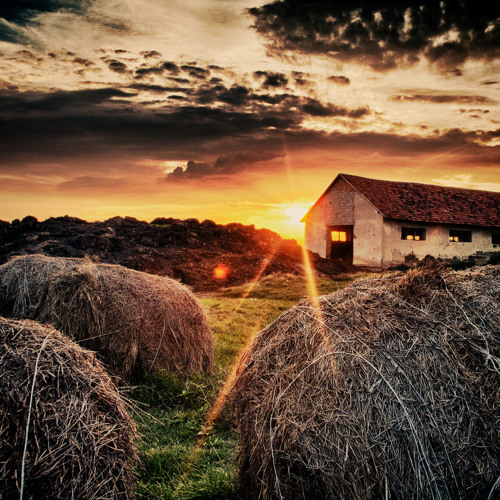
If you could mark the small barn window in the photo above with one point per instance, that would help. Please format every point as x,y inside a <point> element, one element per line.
<point>460,236</point>
<point>412,233</point>
<point>339,236</point>
<point>495,238</point>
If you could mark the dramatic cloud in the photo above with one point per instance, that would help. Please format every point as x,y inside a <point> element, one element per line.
<point>117,66</point>
<point>383,34</point>
<point>17,18</point>
<point>223,165</point>
<point>271,80</point>
<point>29,104</point>
<point>100,100</point>
<point>195,71</point>
<point>315,108</point>
<point>339,80</point>
<point>442,98</point>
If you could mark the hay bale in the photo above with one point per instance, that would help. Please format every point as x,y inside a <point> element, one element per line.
<point>80,435</point>
<point>391,391</point>
<point>137,322</point>
<point>23,281</point>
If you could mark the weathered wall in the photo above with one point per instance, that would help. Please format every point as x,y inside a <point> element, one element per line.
<point>316,235</point>
<point>343,206</point>
<point>335,208</point>
<point>436,243</point>
<point>368,233</point>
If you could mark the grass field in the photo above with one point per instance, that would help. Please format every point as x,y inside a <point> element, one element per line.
<point>180,457</point>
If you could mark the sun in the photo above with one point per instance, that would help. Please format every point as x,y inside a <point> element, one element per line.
<point>294,213</point>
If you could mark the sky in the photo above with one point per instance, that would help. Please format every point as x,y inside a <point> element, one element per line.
<point>240,110</point>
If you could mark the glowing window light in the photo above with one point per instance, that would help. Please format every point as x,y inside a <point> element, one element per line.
<point>413,233</point>
<point>339,236</point>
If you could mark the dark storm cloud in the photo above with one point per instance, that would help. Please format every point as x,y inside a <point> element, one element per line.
<point>339,80</point>
<point>442,98</point>
<point>105,130</point>
<point>472,146</point>
<point>196,71</point>
<point>17,14</point>
<point>158,89</point>
<point>383,34</point>
<point>270,79</point>
<point>150,53</point>
<point>315,108</point>
<point>55,127</point>
<point>239,96</point>
<point>82,62</point>
<point>117,66</point>
<point>28,104</point>
<point>224,165</point>
<point>21,11</point>
<point>158,70</point>
<point>299,78</point>
<point>170,66</point>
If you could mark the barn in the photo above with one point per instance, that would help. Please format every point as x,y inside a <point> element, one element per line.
<point>376,223</point>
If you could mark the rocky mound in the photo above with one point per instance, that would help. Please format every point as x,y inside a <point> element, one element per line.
<point>187,250</point>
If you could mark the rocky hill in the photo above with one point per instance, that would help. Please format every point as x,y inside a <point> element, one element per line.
<point>203,255</point>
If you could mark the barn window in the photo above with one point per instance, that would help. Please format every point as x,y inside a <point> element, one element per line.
<point>413,233</point>
<point>495,238</point>
<point>339,236</point>
<point>460,236</point>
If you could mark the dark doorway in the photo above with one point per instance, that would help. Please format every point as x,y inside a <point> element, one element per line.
<point>341,243</point>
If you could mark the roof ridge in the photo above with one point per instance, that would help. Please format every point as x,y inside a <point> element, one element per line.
<point>407,183</point>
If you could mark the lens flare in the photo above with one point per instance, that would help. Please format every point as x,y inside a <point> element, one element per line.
<point>221,272</point>
<point>230,379</point>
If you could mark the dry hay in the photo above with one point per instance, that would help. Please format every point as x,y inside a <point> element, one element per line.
<point>392,391</point>
<point>64,429</point>
<point>137,322</point>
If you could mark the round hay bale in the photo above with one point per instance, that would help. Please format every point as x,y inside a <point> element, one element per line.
<point>23,281</point>
<point>137,322</point>
<point>64,429</point>
<point>389,389</point>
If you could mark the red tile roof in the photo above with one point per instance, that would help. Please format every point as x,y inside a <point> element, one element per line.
<point>428,203</point>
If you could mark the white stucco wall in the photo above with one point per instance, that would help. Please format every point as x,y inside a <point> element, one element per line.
<point>343,206</point>
<point>436,243</point>
<point>368,233</point>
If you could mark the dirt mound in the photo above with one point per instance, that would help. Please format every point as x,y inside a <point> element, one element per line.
<point>387,389</point>
<point>137,322</point>
<point>188,251</point>
<point>65,430</point>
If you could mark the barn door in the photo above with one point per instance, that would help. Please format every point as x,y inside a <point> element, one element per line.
<point>341,243</point>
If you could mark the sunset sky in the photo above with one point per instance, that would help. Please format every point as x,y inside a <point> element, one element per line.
<point>240,110</point>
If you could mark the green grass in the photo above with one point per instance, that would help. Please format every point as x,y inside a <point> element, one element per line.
<point>179,458</point>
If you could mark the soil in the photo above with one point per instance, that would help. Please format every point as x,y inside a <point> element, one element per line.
<point>203,255</point>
